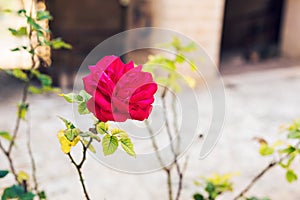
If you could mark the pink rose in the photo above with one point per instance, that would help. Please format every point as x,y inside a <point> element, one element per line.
<point>119,91</point>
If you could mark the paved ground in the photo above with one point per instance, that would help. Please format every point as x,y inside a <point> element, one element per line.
<point>257,103</point>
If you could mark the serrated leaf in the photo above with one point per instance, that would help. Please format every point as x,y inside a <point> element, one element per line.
<point>291,176</point>
<point>82,109</point>
<point>3,173</point>
<point>5,135</point>
<point>128,146</point>
<point>109,144</point>
<point>102,127</point>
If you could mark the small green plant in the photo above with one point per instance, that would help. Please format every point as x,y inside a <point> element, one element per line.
<point>25,188</point>
<point>284,152</point>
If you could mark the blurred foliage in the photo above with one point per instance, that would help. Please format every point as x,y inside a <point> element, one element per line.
<point>213,186</point>
<point>171,65</point>
<point>287,150</point>
<point>38,36</point>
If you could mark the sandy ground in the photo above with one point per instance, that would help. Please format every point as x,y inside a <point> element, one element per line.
<point>257,103</point>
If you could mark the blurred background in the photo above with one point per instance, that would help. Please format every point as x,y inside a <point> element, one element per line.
<point>254,43</point>
<point>236,34</point>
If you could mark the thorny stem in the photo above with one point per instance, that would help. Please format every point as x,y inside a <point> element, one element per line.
<point>260,174</point>
<point>79,167</point>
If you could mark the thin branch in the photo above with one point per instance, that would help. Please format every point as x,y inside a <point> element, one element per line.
<point>154,144</point>
<point>169,132</point>
<point>166,169</point>
<point>175,122</point>
<point>169,183</point>
<point>79,167</point>
<point>32,160</point>
<point>260,174</point>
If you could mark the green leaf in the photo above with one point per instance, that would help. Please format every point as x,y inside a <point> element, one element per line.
<point>16,192</point>
<point>84,95</point>
<point>70,97</point>
<point>19,74</point>
<point>180,58</point>
<point>58,43</point>
<point>42,195</point>
<point>22,11</point>
<point>102,127</point>
<point>22,31</point>
<point>295,134</point>
<point>3,173</point>
<point>288,150</point>
<point>266,150</point>
<point>42,15</point>
<point>71,134</point>
<point>82,109</point>
<point>7,11</point>
<point>22,110</point>
<point>198,197</point>
<point>5,135</point>
<point>35,90</point>
<point>45,80</point>
<point>109,144</point>
<point>35,26</point>
<point>291,176</point>
<point>68,124</point>
<point>15,49</point>
<point>128,146</point>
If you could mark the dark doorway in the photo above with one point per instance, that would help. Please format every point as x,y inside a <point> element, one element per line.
<point>83,24</point>
<point>251,30</point>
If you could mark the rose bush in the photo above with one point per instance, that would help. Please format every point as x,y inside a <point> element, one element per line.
<point>119,91</point>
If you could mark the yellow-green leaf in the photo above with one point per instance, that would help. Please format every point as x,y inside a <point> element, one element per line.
<point>128,146</point>
<point>5,135</point>
<point>109,144</point>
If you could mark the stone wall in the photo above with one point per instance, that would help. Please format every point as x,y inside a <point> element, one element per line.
<point>290,45</point>
<point>200,20</point>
